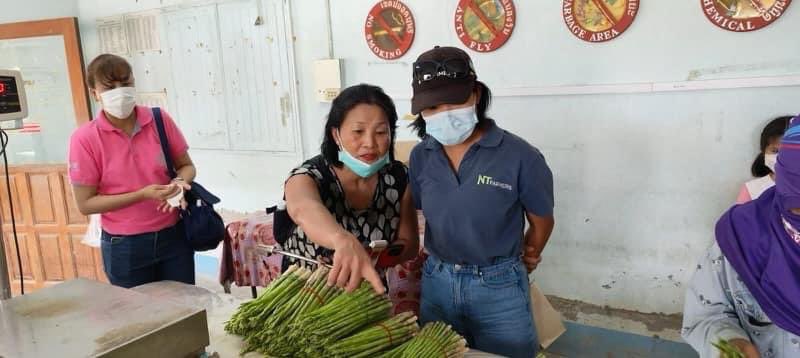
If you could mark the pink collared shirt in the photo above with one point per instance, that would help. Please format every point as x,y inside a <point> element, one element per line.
<point>103,156</point>
<point>754,188</point>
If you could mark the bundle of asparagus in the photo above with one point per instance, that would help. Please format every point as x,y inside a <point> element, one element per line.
<point>274,337</point>
<point>299,315</point>
<point>382,336</point>
<point>345,315</point>
<point>250,315</point>
<point>436,339</point>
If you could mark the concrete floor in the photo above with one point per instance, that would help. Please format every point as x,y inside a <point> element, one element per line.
<point>589,341</point>
<point>596,331</point>
<point>654,325</point>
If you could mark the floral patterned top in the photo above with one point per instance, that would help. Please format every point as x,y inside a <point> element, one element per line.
<point>378,222</point>
<point>719,306</point>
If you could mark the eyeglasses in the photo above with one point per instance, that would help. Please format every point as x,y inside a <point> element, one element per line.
<point>453,68</point>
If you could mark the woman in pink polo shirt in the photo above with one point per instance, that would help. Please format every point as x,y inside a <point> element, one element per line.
<point>117,169</point>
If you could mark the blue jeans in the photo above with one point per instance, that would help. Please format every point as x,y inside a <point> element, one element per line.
<point>489,305</point>
<point>134,260</point>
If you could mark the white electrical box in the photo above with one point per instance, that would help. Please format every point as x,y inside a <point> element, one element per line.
<point>327,79</point>
<point>13,103</point>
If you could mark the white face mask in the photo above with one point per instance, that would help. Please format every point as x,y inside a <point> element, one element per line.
<point>119,102</point>
<point>451,127</point>
<point>358,166</point>
<point>770,160</point>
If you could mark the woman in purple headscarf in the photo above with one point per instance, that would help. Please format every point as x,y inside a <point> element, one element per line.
<point>747,288</point>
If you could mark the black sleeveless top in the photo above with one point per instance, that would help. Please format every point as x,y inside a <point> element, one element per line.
<point>378,222</point>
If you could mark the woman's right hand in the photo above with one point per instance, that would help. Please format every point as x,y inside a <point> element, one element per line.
<point>351,263</point>
<point>749,350</point>
<point>159,192</point>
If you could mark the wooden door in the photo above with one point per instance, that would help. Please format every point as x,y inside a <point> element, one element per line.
<point>49,227</point>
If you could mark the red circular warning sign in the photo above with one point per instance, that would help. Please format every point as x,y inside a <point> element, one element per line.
<point>389,29</point>
<point>599,20</point>
<point>485,25</point>
<point>743,15</point>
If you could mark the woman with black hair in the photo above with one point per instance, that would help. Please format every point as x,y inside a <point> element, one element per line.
<point>117,170</point>
<point>354,192</point>
<point>763,168</point>
<point>477,186</point>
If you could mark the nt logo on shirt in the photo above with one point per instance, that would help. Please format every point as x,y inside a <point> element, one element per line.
<point>487,180</point>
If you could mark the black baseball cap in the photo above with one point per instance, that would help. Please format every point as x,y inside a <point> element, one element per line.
<point>437,90</point>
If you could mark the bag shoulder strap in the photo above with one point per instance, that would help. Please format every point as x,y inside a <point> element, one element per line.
<point>400,173</point>
<point>162,137</point>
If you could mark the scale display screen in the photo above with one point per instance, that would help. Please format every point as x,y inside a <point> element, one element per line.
<point>10,101</point>
<point>13,102</point>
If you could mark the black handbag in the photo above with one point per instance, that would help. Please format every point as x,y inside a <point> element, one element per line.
<point>282,224</point>
<point>203,226</point>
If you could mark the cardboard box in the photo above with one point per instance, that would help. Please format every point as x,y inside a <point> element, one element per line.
<point>549,324</point>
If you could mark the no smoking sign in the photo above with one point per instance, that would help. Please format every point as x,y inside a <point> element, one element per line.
<point>389,29</point>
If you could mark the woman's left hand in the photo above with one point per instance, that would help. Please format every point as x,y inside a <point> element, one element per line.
<point>165,207</point>
<point>531,259</point>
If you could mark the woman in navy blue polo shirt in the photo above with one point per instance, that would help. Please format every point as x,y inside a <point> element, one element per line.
<point>477,185</point>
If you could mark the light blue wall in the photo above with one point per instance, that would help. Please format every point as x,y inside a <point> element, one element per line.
<point>640,177</point>
<point>29,10</point>
<point>246,181</point>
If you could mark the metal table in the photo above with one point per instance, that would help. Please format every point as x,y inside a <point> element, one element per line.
<point>219,308</point>
<point>83,318</point>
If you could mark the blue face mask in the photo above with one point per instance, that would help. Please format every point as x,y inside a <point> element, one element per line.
<point>362,169</point>
<point>451,127</point>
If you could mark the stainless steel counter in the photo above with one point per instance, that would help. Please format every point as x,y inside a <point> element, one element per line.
<point>83,318</point>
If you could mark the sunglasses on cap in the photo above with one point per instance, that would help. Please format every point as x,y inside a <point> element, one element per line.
<point>453,68</point>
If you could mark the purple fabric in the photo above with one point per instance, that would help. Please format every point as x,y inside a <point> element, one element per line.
<point>756,244</point>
